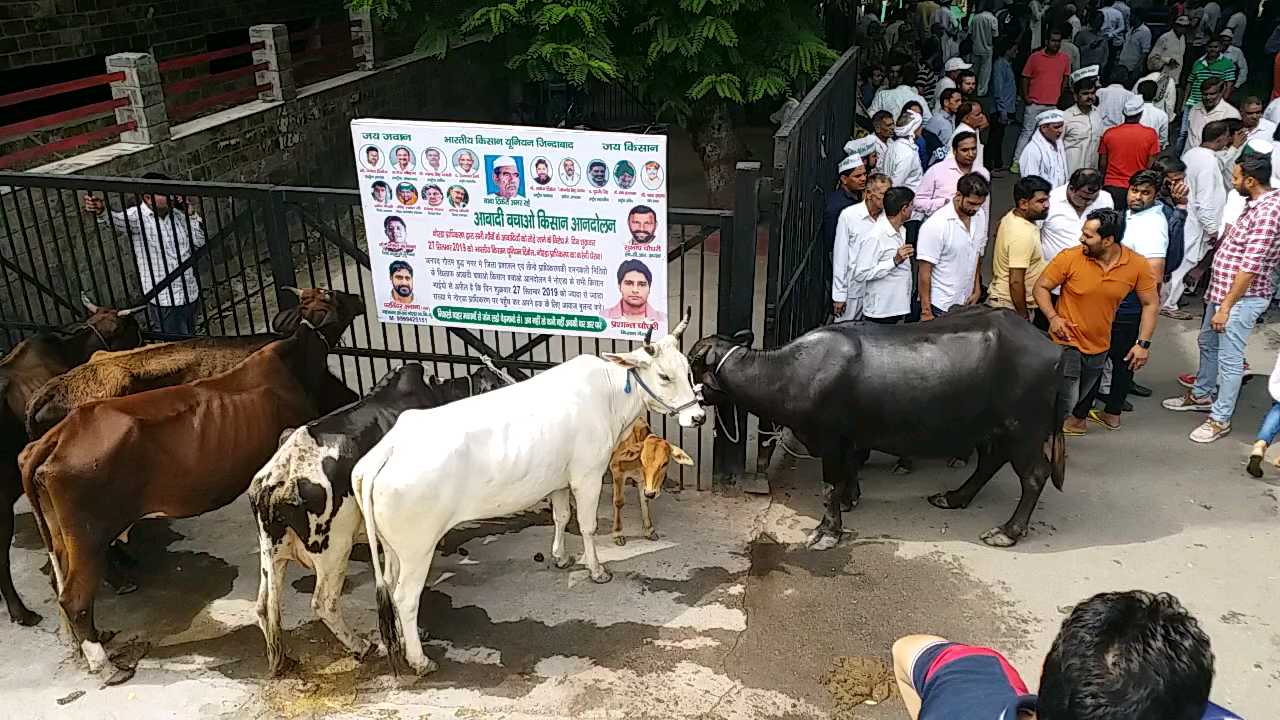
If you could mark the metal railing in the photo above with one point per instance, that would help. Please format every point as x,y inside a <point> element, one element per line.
<point>807,149</point>
<point>260,238</point>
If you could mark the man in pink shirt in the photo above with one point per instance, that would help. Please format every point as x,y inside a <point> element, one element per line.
<point>938,186</point>
<point>1043,78</point>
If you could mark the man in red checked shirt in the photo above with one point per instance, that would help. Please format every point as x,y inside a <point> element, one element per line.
<point>1240,289</point>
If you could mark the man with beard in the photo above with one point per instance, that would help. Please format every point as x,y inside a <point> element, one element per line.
<point>949,248</point>
<point>598,173</point>
<point>1082,122</point>
<point>541,172</point>
<point>1240,290</point>
<point>1094,278</point>
<point>401,283</point>
<point>458,197</point>
<point>1046,156</point>
<point>372,157</point>
<point>1147,234</point>
<point>1016,259</point>
<point>506,177</point>
<point>642,221</point>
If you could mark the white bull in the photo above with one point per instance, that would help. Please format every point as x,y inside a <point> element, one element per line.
<point>500,453</point>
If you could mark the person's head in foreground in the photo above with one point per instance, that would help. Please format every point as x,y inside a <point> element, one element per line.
<point>1118,656</point>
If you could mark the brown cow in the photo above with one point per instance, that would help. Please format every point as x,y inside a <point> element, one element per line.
<point>642,458</point>
<point>175,452</point>
<point>109,375</point>
<point>22,372</point>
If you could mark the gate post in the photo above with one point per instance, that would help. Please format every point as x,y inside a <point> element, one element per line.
<point>734,308</point>
<point>283,272</point>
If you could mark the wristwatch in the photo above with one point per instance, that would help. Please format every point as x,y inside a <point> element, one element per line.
<point>1144,344</point>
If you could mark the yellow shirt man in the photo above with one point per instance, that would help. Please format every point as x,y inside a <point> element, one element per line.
<point>1017,247</point>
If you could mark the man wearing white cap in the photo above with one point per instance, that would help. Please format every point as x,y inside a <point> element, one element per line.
<point>1082,130</point>
<point>902,161</point>
<point>854,223</point>
<point>1233,53</point>
<point>506,176</point>
<point>950,77</point>
<point>1042,79</point>
<point>849,186</point>
<point>866,148</point>
<point>1046,156</point>
<point>1126,150</point>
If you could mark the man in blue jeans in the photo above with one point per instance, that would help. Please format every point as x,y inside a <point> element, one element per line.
<point>1118,656</point>
<point>1240,289</point>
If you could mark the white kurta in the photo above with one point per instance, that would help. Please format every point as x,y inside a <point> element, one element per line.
<point>1156,119</point>
<point>851,228</point>
<point>902,164</point>
<point>1044,159</point>
<point>1081,135</point>
<point>888,283</point>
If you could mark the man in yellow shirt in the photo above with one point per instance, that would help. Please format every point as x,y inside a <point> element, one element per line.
<point>1017,261</point>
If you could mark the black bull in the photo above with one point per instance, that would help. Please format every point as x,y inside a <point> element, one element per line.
<point>981,379</point>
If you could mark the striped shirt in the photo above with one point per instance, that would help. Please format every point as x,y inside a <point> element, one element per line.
<point>1222,68</point>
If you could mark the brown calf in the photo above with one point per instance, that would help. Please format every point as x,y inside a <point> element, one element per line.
<point>174,452</point>
<point>642,458</point>
<point>28,366</point>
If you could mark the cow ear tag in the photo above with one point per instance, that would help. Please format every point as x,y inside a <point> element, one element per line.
<point>626,389</point>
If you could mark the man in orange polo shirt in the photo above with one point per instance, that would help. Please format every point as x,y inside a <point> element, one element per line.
<point>1094,278</point>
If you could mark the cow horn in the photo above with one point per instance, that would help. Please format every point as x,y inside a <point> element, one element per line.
<point>129,311</point>
<point>679,329</point>
<point>292,289</point>
<point>648,339</point>
<point>84,298</point>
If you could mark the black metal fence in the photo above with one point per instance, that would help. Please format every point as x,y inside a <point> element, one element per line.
<point>250,241</point>
<point>806,150</point>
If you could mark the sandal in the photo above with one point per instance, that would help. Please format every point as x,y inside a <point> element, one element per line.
<point>1096,416</point>
<point>1069,432</point>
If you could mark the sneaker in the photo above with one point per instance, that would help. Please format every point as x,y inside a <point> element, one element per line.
<point>1143,390</point>
<point>1209,431</point>
<point>1186,401</point>
<point>1177,314</point>
<point>1188,380</point>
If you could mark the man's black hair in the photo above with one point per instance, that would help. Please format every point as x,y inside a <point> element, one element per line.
<point>598,163</point>
<point>1147,89</point>
<point>965,108</point>
<point>1255,165</point>
<point>960,137</point>
<point>897,198</point>
<point>642,210</point>
<point>399,265</point>
<point>1127,655</point>
<point>1215,131</point>
<point>634,266</point>
<point>1027,187</point>
<point>1110,223</point>
<point>1147,177</point>
<point>946,94</point>
<point>386,224</point>
<point>960,76</point>
<point>879,116</point>
<point>973,185</point>
<point>1210,83</point>
<point>1167,164</point>
<point>1085,177</point>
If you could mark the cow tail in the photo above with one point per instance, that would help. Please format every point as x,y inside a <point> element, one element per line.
<point>1057,440</point>
<point>362,480</point>
<point>31,463</point>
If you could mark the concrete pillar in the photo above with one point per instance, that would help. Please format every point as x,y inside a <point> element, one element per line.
<point>362,38</point>
<point>275,53</point>
<point>141,84</point>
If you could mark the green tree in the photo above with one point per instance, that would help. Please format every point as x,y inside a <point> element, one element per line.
<point>690,59</point>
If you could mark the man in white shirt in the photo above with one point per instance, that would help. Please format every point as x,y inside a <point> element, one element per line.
<point>164,231</point>
<point>1236,25</point>
<point>1170,48</point>
<point>1082,128</point>
<point>902,161</point>
<point>949,248</point>
<point>1210,17</point>
<point>895,94</point>
<point>950,77</point>
<point>1205,200</point>
<point>1233,53</point>
<point>1111,100</point>
<point>1152,116</point>
<point>1272,112</point>
<point>1069,207</point>
<point>851,229</point>
<point>983,29</point>
<point>1045,156</point>
<point>1212,107</point>
<point>883,263</point>
<point>1257,127</point>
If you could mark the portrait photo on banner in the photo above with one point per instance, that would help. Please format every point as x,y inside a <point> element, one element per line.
<point>464,161</point>
<point>504,175</point>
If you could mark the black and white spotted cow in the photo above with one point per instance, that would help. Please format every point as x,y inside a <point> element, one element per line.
<point>302,497</point>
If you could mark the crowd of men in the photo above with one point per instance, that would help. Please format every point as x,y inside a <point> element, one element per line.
<point>1145,159</point>
<point>1144,167</point>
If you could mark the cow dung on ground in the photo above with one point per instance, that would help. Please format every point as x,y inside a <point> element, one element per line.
<point>856,681</point>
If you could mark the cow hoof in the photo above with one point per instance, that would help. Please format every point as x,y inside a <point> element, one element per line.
<point>619,540</point>
<point>653,535</point>
<point>942,501</point>
<point>26,618</point>
<point>106,636</point>
<point>957,462</point>
<point>285,666</point>
<point>821,540</point>
<point>363,653</point>
<point>996,537</point>
<point>563,563</point>
<point>601,577</point>
<point>901,468</point>
<point>426,668</point>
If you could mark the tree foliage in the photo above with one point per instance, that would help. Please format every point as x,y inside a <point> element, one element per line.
<point>681,56</point>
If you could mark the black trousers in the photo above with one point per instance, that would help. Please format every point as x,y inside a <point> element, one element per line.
<point>1124,333</point>
<point>891,320</point>
<point>1119,196</point>
<point>993,153</point>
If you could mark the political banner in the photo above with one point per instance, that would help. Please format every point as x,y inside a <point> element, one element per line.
<point>499,227</point>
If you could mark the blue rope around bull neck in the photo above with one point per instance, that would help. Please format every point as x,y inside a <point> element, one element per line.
<point>626,389</point>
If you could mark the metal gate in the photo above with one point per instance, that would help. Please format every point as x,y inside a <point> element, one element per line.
<point>260,238</point>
